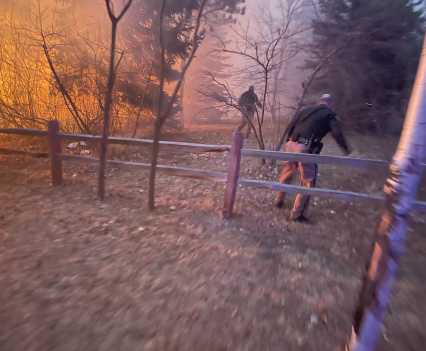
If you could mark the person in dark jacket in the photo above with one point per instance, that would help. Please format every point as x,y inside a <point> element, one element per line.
<point>304,135</point>
<point>247,104</point>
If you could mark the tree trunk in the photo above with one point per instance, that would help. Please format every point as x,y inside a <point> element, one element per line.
<point>276,103</point>
<point>158,122</point>
<point>306,86</point>
<point>154,163</point>
<point>234,163</point>
<point>107,114</point>
<point>262,118</point>
<point>400,189</point>
<point>164,112</point>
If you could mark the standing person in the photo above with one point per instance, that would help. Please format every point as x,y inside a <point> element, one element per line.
<point>247,103</point>
<point>304,135</point>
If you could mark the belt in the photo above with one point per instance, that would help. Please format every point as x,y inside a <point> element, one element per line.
<point>301,140</point>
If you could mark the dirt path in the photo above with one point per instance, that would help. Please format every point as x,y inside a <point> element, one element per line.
<point>77,274</point>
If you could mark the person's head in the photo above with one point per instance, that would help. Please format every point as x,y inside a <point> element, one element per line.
<point>251,89</point>
<point>325,99</point>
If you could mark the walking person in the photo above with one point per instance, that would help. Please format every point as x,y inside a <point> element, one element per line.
<point>305,133</point>
<point>247,103</point>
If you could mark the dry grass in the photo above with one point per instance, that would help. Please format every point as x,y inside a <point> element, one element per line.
<point>77,274</point>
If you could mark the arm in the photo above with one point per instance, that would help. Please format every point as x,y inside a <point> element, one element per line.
<point>291,125</point>
<point>240,101</point>
<point>337,134</point>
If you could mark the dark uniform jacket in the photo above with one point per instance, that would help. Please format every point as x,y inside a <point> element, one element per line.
<point>248,100</point>
<point>314,123</point>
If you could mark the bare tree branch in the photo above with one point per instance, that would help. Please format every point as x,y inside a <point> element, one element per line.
<point>69,102</point>
<point>108,95</point>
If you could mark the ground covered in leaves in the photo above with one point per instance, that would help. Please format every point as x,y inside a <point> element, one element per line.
<point>77,274</point>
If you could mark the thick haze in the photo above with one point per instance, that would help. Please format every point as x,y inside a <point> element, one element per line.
<point>90,21</point>
<point>290,79</point>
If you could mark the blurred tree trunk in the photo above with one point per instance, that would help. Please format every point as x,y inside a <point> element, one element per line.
<point>400,189</point>
<point>158,120</point>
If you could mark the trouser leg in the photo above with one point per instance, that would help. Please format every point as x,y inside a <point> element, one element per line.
<point>308,175</point>
<point>248,130</point>
<point>285,177</point>
<point>247,122</point>
<point>249,115</point>
<point>246,118</point>
<point>243,123</point>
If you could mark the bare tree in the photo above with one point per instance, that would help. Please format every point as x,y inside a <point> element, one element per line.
<point>227,100</point>
<point>68,100</point>
<point>261,54</point>
<point>78,63</point>
<point>290,16</point>
<point>267,51</point>
<point>306,85</point>
<point>323,63</point>
<point>113,66</point>
<point>23,102</point>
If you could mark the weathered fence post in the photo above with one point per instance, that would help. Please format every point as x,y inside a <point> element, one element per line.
<point>400,189</point>
<point>54,152</point>
<point>233,174</point>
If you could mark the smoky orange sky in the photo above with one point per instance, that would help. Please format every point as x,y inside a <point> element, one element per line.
<point>92,17</point>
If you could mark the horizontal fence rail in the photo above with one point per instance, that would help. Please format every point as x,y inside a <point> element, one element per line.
<point>247,152</point>
<point>23,152</point>
<point>320,159</point>
<point>219,177</point>
<point>236,152</point>
<point>134,141</point>
<point>26,131</point>
<point>117,140</point>
<point>336,194</point>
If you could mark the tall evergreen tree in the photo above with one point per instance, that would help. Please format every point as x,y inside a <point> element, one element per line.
<point>374,46</point>
<point>142,42</point>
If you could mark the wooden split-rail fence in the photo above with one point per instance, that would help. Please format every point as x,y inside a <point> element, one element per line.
<point>232,178</point>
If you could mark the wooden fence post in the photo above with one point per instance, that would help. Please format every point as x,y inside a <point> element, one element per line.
<point>233,174</point>
<point>54,143</point>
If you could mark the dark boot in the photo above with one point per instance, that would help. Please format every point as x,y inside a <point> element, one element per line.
<point>298,218</point>
<point>279,202</point>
